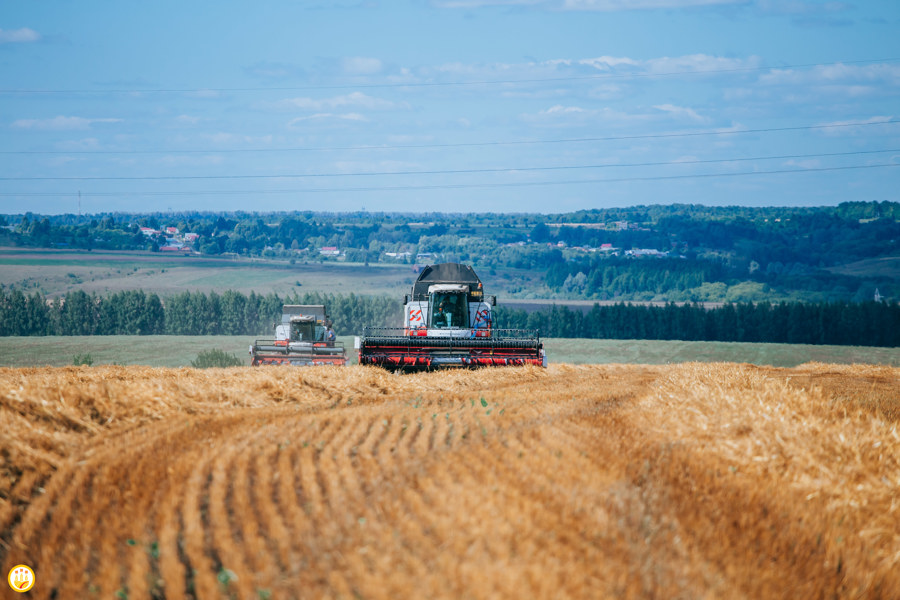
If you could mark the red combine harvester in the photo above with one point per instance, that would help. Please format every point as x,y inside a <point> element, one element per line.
<point>304,338</point>
<point>448,324</point>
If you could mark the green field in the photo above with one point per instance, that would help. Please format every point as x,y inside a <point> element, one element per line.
<point>179,351</point>
<point>657,352</point>
<point>55,272</point>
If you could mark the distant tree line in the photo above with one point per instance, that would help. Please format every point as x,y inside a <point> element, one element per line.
<point>188,313</point>
<point>695,280</point>
<point>233,313</point>
<point>837,323</point>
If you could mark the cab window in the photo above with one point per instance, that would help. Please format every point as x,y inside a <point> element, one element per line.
<point>449,309</point>
<point>302,332</point>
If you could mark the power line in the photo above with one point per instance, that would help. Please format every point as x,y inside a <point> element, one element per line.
<point>462,144</point>
<point>450,171</point>
<point>441,84</point>
<point>457,186</point>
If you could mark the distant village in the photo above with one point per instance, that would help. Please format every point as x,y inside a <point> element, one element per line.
<point>175,240</point>
<point>604,249</point>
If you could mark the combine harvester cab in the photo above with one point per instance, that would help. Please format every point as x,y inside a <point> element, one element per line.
<point>301,340</point>
<point>448,323</point>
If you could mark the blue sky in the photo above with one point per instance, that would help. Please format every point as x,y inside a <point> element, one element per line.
<point>452,106</point>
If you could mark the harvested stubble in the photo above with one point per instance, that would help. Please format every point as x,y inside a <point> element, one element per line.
<point>687,481</point>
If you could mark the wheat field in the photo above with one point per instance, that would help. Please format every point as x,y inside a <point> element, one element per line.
<point>695,480</point>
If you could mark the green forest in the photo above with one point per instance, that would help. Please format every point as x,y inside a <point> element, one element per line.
<point>135,312</point>
<point>678,253</point>
<point>231,313</point>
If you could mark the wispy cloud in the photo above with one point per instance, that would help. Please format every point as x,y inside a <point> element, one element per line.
<point>809,163</point>
<point>361,65</point>
<point>802,11</point>
<point>618,5</point>
<point>681,111</point>
<point>847,127</point>
<point>327,117</point>
<point>18,36</point>
<point>354,100</point>
<point>559,115</point>
<point>589,5</point>
<point>182,160</point>
<point>226,139</point>
<point>883,73</point>
<point>275,70</point>
<point>186,120</point>
<point>60,123</point>
<point>612,65</point>
<point>823,83</point>
<point>204,94</point>
<point>480,3</point>
<point>801,7</point>
<point>79,145</point>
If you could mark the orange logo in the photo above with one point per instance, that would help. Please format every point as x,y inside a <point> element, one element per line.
<point>21,578</point>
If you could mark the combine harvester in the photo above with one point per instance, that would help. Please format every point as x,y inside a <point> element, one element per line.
<point>448,324</point>
<point>304,338</point>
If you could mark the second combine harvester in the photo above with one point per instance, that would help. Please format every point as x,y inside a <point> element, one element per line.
<point>448,323</point>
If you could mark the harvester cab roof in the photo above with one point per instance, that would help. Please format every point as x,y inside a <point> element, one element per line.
<point>448,287</point>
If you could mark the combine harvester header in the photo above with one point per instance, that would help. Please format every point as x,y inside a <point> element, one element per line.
<point>448,323</point>
<point>303,338</point>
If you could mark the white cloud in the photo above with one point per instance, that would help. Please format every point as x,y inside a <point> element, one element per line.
<point>856,126</point>
<point>354,99</point>
<point>204,94</point>
<point>576,115</point>
<point>60,123</point>
<point>872,120</point>
<point>586,5</point>
<point>837,81</point>
<point>18,36</point>
<point>794,8</point>
<point>617,5</point>
<point>480,3</point>
<point>614,66</point>
<point>681,111</point>
<point>809,163</point>
<point>698,63</point>
<point>181,160</point>
<point>222,138</point>
<point>186,120</point>
<point>800,7</point>
<point>834,73</point>
<point>79,145</point>
<point>275,70</point>
<point>361,65</point>
<point>327,117</point>
<point>607,63</point>
<point>564,110</point>
<point>374,166</point>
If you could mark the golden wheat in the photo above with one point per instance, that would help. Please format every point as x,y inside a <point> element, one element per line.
<point>694,480</point>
